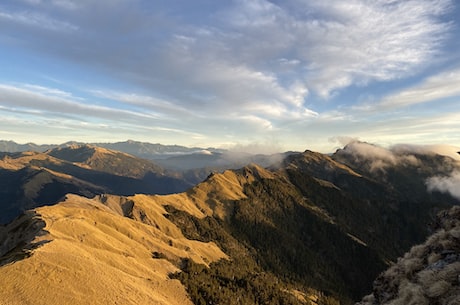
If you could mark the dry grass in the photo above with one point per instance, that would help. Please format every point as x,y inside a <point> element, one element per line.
<point>98,256</point>
<point>214,196</point>
<point>23,160</point>
<point>428,274</point>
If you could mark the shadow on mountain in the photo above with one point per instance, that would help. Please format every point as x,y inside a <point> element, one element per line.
<point>43,184</point>
<point>17,238</point>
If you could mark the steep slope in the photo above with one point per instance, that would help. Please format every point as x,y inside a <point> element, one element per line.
<point>361,205</point>
<point>32,179</point>
<point>26,184</point>
<point>87,251</point>
<point>429,273</point>
<point>263,223</point>
<point>315,230</point>
<point>281,248</point>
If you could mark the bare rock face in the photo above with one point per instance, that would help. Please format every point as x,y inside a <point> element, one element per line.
<point>429,273</point>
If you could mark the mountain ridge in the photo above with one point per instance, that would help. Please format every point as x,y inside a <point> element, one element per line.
<point>312,228</point>
<point>33,179</point>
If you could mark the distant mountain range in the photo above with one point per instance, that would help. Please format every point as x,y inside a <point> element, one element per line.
<point>194,163</point>
<point>32,179</point>
<point>312,229</point>
<point>135,148</point>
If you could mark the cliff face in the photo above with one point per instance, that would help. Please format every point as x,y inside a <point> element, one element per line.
<point>429,273</point>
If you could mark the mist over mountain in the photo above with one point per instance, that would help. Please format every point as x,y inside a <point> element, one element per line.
<point>34,179</point>
<point>312,229</point>
<point>193,164</point>
<point>155,151</point>
<point>140,149</point>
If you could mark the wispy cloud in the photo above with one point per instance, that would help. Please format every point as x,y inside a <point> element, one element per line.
<point>240,59</point>
<point>57,101</point>
<point>433,89</point>
<point>36,20</point>
<point>232,69</point>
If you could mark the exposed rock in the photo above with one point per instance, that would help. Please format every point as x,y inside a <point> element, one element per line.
<point>428,273</point>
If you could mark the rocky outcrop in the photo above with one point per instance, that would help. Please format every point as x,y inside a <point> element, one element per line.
<point>429,273</point>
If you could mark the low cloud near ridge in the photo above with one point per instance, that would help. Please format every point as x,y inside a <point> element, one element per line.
<point>379,158</point>
<point>449,184</point>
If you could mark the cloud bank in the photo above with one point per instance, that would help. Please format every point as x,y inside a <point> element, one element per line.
<point>378,159</point>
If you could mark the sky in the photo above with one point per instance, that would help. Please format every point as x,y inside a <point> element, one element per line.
<point>256,74</point>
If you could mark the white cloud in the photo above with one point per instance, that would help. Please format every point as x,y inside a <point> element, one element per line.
<point>267,147</point>
<point>440,149</point>
<point>158,106</point>
<point>237,68</point>
<point>361,41</point>
<point>434,88</point>
<point>449,184</point>
<point>241,57</point>
<point>56,101</point>
<point>377,158</point>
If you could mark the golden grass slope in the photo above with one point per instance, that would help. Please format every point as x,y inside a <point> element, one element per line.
<point>92,253</point>
<point>215,195</point>
<point>24,159</point>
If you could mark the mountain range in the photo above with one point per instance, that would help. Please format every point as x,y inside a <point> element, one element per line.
<point>33,179</point>
<point>141,149</point>
<point>310,229</point>
<point>194,164</point>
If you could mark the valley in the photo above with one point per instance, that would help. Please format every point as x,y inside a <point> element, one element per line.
<point>84,224</point>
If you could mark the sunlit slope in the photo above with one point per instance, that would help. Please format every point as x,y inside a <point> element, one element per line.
<point>315,226</point>
<point>89,251</point>
<point>32,179</point>
<point>215,195</point>
<point>106,160</point>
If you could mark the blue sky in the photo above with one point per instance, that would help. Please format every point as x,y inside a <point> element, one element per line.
<point>266,75</point>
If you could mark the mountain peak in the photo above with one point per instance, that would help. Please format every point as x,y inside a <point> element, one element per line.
<point>318,165</point>
<point>105,160</point>
<point>73,152</point>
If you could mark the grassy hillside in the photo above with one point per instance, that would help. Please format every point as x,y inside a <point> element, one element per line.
<point>316,230</point>
<point>32,179</point>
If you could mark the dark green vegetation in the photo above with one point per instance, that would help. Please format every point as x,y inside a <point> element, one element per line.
<point>244,279</point>
<point>322,225</point>
<point>276,233</point>
<point>318,224</point>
